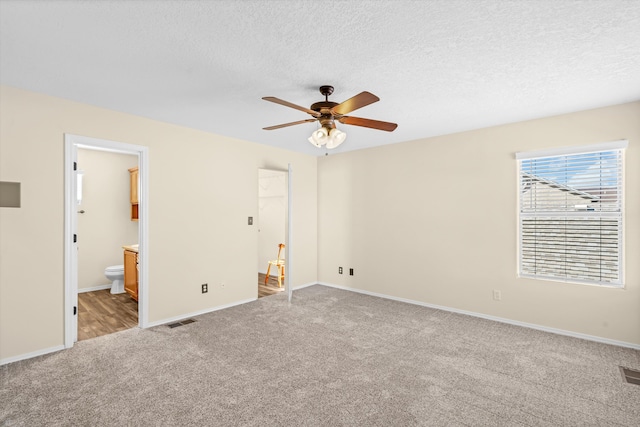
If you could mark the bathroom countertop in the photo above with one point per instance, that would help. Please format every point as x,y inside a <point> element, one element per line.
<point>132,248</point>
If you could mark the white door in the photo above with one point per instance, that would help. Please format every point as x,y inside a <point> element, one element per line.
<point>71,171</point>
<point>289,251</point>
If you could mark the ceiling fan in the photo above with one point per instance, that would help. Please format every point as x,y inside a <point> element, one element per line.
<point>327,112</point>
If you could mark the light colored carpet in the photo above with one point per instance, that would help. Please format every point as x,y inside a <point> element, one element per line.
<point>331,358</point>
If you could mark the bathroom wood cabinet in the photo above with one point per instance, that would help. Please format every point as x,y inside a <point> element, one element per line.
<point>131,273</point>
<point>133,191</point>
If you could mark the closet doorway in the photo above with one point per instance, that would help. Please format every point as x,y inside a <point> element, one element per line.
<point>273,229</point>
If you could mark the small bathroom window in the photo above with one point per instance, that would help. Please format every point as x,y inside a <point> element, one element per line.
<point>79,186</point>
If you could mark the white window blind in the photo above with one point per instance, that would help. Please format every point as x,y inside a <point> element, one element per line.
<point>571,215</point>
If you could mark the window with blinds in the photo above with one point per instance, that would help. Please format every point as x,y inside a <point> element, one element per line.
<point>571,214</point>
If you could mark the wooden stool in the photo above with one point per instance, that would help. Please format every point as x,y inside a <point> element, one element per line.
<point>279,264</point>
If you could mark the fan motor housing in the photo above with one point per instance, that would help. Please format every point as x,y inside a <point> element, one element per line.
<point>323,107</point>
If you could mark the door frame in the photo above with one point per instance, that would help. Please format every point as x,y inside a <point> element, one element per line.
<point>71,145</point>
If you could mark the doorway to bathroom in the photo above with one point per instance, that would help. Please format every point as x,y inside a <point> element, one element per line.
<point>105,225</point>
<point>273,231</point>
<point>102,226</point>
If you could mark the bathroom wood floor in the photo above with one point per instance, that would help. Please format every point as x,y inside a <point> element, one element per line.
<point>102,313</point>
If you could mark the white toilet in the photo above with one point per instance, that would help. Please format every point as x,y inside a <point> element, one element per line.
<point>115,273</point>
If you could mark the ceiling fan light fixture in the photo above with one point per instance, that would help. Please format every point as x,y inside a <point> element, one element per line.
<point>326,136</point>
<point>336,137</point>
<point>313,142</point>
<point>319,137</point>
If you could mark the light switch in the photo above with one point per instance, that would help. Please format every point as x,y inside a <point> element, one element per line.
<point>250,220</point>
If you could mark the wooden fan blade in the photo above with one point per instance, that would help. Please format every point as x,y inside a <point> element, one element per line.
<point>360,100</point>
<point>299,122</point>
<point>288,104</point>
<point>368,123</point>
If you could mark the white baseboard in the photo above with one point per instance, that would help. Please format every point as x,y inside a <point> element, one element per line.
<point>95,288</point>
<point>30,355</point>
<point>220,307</point>
<point>198,313</point>
<point>306,285</point>
<point>494,318</point>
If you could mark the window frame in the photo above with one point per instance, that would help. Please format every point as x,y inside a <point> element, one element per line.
<point>619,146</point>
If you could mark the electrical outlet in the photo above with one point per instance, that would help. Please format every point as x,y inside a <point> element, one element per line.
<point>205,288</point>
<point>351,272</point>
<point>497,295</point>
<point>339,270</point>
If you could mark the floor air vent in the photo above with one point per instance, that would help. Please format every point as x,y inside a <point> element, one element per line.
<point>630,376</point>
<point>184,322</point>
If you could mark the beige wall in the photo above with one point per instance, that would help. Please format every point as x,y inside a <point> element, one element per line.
<point>106,222</point>
<point>432,220</point>
<point>202,189</point>
<point>435,220</point>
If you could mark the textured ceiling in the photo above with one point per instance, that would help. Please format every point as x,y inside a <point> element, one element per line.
<point>438,66</point>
